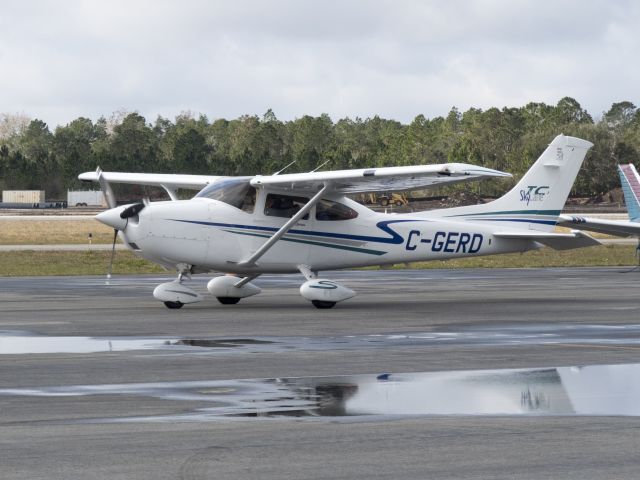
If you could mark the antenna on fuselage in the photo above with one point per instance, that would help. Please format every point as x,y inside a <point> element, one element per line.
<point>282,170</point>
<point>319,166</point>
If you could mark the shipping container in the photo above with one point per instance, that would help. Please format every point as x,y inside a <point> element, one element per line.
<point>23,196</point>
<point>83,198</point>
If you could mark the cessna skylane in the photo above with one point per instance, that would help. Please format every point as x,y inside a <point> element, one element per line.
<point>243,227</point>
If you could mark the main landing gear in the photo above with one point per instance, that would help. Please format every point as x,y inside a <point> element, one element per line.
<point>173,305</point>
<point>229,290</point>
<point>228,300</point>
<point>322,293</point>
<point>322,304</point>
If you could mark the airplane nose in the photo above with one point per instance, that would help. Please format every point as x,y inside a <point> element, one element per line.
<point>112,218</point>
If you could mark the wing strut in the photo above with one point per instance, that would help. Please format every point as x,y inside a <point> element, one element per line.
<point>246,280</point>
<point>109,197</point>
<point>171,191</point>
<point>285,228</point>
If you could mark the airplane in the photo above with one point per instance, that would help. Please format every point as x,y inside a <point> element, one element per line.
<point>630,181</point>
<point>247,226</point>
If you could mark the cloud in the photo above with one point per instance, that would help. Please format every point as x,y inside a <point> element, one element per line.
<point>62,60</point>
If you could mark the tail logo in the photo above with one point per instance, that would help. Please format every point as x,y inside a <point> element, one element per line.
<point>534,194</point>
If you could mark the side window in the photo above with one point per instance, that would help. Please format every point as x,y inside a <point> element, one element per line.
<point>236,192</point>
<point>285,206</point>
<point>330,211</point>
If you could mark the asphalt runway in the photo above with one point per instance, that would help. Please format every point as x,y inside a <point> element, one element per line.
<point>505,373</point>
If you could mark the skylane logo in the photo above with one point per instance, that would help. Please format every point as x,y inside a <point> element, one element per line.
<point>534,193</point>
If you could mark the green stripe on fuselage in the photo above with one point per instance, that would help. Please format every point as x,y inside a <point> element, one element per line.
<point>551,213</point>
<point>310,242</point>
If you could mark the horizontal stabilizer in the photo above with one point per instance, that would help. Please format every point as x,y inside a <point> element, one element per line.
<point>557,241</point>
<point>621,228</point>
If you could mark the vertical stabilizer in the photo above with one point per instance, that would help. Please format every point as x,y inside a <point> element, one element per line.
<point>536,201</point>
<point>631,188</point>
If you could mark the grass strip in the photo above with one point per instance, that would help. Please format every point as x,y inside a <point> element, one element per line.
<point>600,256</point>
<point>51,232</point>
<point>33,263</point>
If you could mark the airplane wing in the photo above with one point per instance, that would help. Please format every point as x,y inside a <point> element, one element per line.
<point>621,228</point>
<point>173,181</point>
<point>557,241</point>
<point>342,181</point>
<point>379,179</point>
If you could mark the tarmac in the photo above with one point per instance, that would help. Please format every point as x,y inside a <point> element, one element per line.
<point>424,374</point>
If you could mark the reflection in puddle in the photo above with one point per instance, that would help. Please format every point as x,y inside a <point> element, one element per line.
<point>590,390</point>
<point>478,335</point>
<point>17,343</point>
<point>14,344</point>
<point>221,343</point>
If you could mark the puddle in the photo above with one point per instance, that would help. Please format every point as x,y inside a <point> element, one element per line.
<point>588,390</point>
<point>12,342</point>
<point>16,343</point>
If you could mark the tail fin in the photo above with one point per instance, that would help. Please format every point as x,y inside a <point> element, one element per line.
<point>631,188</point>
<point>536,201</point>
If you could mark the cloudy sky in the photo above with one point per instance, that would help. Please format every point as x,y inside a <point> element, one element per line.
<point>63,59</point>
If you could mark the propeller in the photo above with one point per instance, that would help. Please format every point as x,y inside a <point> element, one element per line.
<point>118,218</point>
<point>111,203</point>
<point>113,253</point>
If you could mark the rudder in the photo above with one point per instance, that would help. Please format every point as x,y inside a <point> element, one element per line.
<point>630,182</point>
<point>537,199</point>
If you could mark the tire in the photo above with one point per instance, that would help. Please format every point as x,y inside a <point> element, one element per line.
<point>173,305</point>
<point>323,304</point>
<point>228,300</point>
<point>398,203</point>
<point>384,202</point>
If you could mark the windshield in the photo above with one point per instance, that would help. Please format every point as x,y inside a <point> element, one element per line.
<point>235,191</point>
<point>330,210</point>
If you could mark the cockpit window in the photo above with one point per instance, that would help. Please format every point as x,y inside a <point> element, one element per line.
<point>329,210</point>
<point>236,192</point>
<point>285,206</point>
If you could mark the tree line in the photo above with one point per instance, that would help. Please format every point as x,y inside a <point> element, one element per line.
<point>508,139</point>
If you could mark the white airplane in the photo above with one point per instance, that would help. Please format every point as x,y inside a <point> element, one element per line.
<point>630,181</point>
<point>303,222</point>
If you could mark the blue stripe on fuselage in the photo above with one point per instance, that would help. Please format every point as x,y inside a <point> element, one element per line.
<point>396,238</point>
<point>520,220</point>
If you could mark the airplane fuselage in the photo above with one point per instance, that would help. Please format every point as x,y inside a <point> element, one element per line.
<point>214,236</point>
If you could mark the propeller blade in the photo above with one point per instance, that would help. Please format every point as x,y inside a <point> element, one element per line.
<point>113,253</point>
<point>106,189</point>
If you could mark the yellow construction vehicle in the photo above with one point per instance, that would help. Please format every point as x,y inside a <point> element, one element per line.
<point>397,199</point>
<point>383,199</point>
